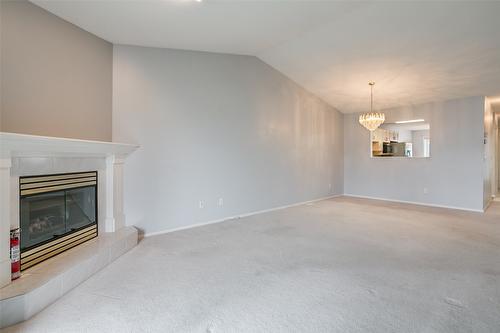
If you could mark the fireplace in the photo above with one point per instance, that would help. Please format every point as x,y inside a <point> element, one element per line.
<point>57,212</point>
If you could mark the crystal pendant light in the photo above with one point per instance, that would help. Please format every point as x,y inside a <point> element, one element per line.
<point>371,120</point>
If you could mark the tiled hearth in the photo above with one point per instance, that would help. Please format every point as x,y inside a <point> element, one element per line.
<point>28,155</point>
<point>45,283</point>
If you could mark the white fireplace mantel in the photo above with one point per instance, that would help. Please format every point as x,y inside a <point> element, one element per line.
<point>23,145</point>
<point>13,145</point>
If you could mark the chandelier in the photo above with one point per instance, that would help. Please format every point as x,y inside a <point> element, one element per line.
<point>371,120</point>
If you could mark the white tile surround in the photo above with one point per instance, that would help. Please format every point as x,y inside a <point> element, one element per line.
<point>22,155</point>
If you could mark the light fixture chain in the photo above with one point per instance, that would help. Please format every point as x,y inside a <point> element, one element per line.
<point>371,97</point>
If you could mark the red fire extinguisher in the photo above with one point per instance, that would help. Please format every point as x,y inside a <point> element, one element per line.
<point>15,254</point>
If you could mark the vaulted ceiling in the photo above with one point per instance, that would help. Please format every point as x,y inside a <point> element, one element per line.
<point>415,51</point>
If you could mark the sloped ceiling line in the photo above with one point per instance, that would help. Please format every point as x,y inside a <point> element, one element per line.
<point>416,52</point>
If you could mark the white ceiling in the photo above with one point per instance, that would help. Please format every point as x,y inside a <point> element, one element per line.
<point>416,52</point>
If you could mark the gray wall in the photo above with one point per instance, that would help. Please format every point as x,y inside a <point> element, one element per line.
<point>56,79</point>
<point>218,126</point>
<point>453,175</point>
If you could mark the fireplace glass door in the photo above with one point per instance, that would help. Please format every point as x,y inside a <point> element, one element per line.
<point>80,207</point>
<point>56,207</point>
<point>42,218</point>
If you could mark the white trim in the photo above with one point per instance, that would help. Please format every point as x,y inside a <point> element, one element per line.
<point>416,203</point>
<point>5,207</point>
<point>150,234</point>
<point>155,233</point>
<point>5,163</point>
<point>24,145</point>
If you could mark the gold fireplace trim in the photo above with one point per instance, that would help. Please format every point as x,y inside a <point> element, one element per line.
<point>48,245</point>
<point>48,250</point>
<point>56,182</point>
<point>56,188</point>
<point>26,180</point>
<point>42,184</point>
<point>32,185</point>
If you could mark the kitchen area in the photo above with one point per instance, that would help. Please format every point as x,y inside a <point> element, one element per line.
<point>408,139</point>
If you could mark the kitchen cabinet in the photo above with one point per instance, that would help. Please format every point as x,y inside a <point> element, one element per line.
<point>383,135</point>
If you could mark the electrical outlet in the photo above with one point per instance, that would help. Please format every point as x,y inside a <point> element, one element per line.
<point>426,190</point>
<point>220,203</point>
<point>330,187</point>
<point>201,204</point>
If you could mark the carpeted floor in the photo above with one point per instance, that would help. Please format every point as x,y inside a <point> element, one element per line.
<point>339,265</point>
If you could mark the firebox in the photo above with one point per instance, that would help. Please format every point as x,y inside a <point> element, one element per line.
<point>57,213</point>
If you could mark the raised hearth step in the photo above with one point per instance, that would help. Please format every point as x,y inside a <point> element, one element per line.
<point>43,284</point>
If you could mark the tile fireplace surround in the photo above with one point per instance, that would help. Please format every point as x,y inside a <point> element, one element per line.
<point>28,155</point>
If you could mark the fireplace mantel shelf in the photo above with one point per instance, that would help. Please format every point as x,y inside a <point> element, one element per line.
<point>23,145</point>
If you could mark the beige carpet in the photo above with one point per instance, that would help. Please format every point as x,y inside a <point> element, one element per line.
<point>340,265</point>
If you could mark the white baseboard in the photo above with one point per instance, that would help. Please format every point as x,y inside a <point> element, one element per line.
<point>416,203</point>
<point>149,234</point>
